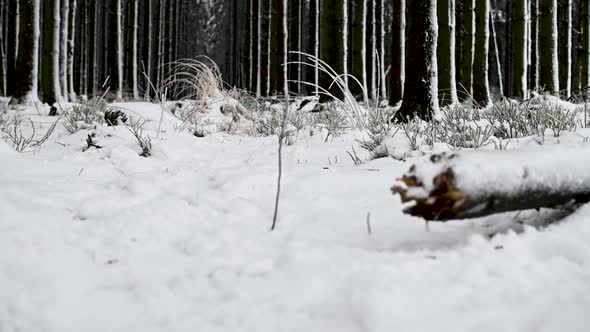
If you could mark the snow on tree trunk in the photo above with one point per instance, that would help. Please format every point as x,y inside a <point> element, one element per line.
<point>50,65</point>
<point>396,72</point>
<point>481,87</point>
<point>332,43</point>
<point>446,52</point>
<point>585,49</point>
<point>565,47</point>
<point>27,61</point>
<point>467,185</point>
<point>421,87</point>
<point>466,83</point>
<point>548,65</point>
<point>63,48</point>
<point>519,57</point>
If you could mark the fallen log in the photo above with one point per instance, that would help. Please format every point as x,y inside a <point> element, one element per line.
<point>479,183</point>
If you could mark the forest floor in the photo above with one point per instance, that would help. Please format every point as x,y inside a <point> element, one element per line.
<point>106,240</point>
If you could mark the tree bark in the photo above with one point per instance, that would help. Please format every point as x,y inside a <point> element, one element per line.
<point>585,50</point>
<point>358,48</point>
<point>468,44</point>
<point>565,47</point>
<point>50,52</point>
<point>396,72</point>
<point>421,88</point>
<point>277,54</point>
<point>466,185</point>
<point>481,87</point>
<point>63,47</point>
<point>70,48</point>
<point>446,52</point>
<point>12,39</point>
<point>548,65</point>
<point>27,61</point>
<point>332,43</point>
<point>519,57</point>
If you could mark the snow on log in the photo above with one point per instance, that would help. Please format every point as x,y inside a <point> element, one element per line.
<point>479,183</point>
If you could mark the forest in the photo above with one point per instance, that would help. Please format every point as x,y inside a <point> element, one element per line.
<point>484,49</point>
<point>294,165</point>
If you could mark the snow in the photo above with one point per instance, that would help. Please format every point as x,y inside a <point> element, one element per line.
<point>106,240</point>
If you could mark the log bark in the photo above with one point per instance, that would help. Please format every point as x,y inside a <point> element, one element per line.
<point>470,185</point>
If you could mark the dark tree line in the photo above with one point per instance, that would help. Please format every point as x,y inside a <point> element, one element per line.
<point>400,50</point>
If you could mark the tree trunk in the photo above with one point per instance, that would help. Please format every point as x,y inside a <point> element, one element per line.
<point>277,55</point>
<point>50,58</point>
<point>332,43</point>
<point>565,47</point>
<point>134,26</point>
<point>534,63</point>
<point>481,87</point>
<point>466,83</point>
<point>585,49</point>
<point>27,61</point>
<point>358,48</point>
<point>70,48</point>
<point>519,57</point>
<point>548,65</point>
<point>465,185</point>
<point>396,72</point>
<point>12,40</point>
<point>314,42</point>
<point>446,52</point>
<point>265,39</point>
<point>421,87</point>
<point>2,49</point>
<point>63,47</point>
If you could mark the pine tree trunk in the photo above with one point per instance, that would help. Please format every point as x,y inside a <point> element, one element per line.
<point>358,47</point>
<point>2,49</point>
<point>495,55</point>
<point>255,42</point>
<point>149,42</point>
<point>63,47</point>
<point>50,52</point>
<point>548,66</point>
<point>277,54</point>
<point>585,49</point>
<point>314,38</point>
<point>12,40</point>
<point>481,87</point>
<point>265,39</point>
<point>93,50</point>
<point>70,48</point>
<point>27,61</point>
<point>380,16</point>
<point>332,43</point>
<point>134,26</point>
<point>396,72</point>
<point>446,52</point>
<point>467,54</point>
<point>565,47</point>
<point>421,87</point>
<point>534,63</point>
<point>519,57</point>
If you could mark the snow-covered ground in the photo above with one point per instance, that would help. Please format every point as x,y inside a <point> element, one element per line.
<point>106,240</point>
